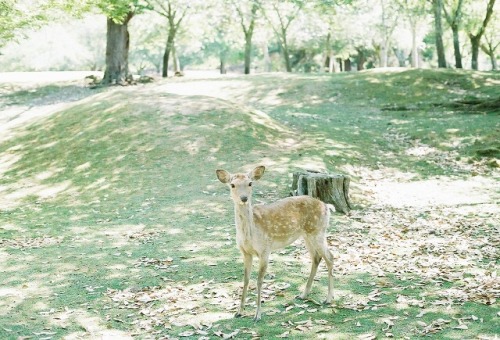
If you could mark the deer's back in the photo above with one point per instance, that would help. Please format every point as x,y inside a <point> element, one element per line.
<point>296,215</point>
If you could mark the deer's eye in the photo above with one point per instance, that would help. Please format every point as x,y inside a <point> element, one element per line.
<point>250,184</point>
<point>233,186</point>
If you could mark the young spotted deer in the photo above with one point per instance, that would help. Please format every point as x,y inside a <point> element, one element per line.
<point>263,228</point>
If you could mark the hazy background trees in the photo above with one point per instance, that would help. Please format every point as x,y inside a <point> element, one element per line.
<point>155,36</point>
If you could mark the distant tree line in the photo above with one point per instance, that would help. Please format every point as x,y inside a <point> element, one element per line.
<point>289,35</point>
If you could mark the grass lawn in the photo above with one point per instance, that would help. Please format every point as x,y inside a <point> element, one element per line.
<point>114,225</point>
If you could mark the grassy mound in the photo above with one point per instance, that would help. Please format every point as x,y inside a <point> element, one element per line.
<point>135,138</point>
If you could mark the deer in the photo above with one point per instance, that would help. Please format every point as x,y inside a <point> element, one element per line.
<point>263,228</point>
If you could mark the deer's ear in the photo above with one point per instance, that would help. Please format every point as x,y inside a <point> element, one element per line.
<point>223,176</point>
<point>257,172</point>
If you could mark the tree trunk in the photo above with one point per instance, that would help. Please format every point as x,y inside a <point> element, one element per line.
<point>360,60</point>
<point>438,27</point>
<point>175,59</point>
<point>384,55</point>
<point>248,52</point>
<point>248,32</point>
<point>414,48</point>
<point>400,55</point>
<point>327,54</point>
<point>331,63</point>
<point>456,47</point>
<point>166,55</point>
<point>489,48</point>
<point>454,18</point>
<point>222,58</point>
<point>347,65</point>
<point>331,189</point>
<point>476,39</point>
<point>266,58</point>
<point>117,46</point>
<point>286,53</point>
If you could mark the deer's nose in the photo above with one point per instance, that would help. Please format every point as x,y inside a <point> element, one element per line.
<point>244,199</point>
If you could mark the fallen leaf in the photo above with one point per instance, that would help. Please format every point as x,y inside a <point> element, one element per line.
<point>321,322</point>
<point>389,324</point>
<point>231,335</point>
<point>283,335</point>
<point>186,333</point>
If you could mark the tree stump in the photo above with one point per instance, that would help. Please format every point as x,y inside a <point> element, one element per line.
<point>331,189</point>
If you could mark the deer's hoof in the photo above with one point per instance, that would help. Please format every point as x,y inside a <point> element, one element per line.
<point>301,297</point>
<point>238,315</point>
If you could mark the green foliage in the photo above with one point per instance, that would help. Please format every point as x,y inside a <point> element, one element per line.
<point>213,29</point>
<point>119,10</point>
<point>14,19</point>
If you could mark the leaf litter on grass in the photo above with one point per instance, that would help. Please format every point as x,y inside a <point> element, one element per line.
<point>448,256</point>
<point>425,245</point>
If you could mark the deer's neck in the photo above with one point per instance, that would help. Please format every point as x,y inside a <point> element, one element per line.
<point>244,219</point>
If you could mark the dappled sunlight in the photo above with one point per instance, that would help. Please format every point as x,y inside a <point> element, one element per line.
<point>174,231</point>
<point>120,235</point>
<point>13,296</point>
<point>48,173</point>
<point>492,82</point>
<point>15,194</point>
<point>113,217</point>
<point>429,193</point>
<point>84,166</point>
<point>93,326</point>
<point>233,90</point>
<point>118,271</point>
<point>314,163</point>
<point>260,117</point>
<point>7,160</point>
<point>206,206</point>
<point>12,125</point>
<point>259,91</point>
<point>110,236</point>
<point>53,190</point>
<point>218,89</point>
<point>201,247</point>
<point>4,257</point>
<point>12,227</point>
<point>99,184</point>
<point>192,147</point>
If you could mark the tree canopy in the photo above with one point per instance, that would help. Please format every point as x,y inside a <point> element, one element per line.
<point>291,35</point>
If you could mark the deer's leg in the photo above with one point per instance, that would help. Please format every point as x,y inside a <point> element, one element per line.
<point>247,262</point>
<point>328,256</point>
<point>264,261</point>
<point>316,259</point>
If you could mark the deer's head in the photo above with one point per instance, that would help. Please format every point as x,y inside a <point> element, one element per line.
<point>240,184</point>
